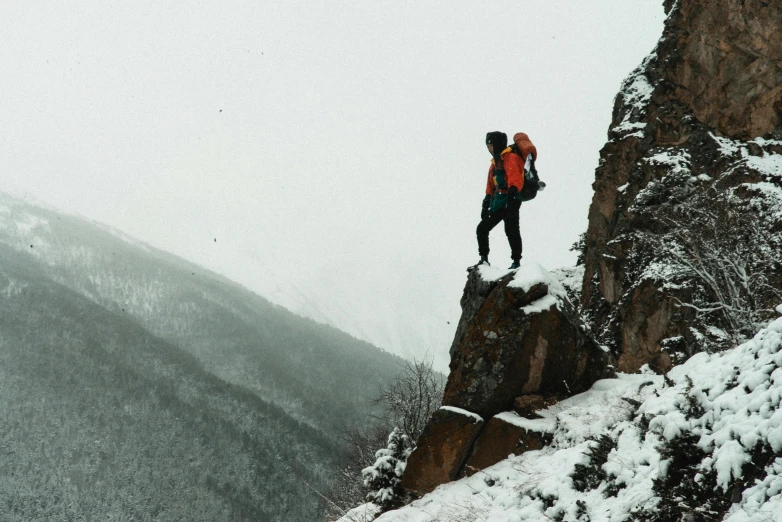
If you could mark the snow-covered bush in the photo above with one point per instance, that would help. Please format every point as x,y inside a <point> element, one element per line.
<point>382,478</point>
<point>726,258</point>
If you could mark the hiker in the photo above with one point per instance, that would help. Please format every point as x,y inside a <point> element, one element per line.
<point>503,191</point>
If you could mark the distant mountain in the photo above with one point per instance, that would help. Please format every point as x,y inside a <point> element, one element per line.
<point>136,384</point>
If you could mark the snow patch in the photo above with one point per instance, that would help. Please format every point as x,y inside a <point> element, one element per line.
<point>545,425</point>
<point>636,91</point>
<point>530,274</point>
<point>727,146</point>
<point>490,274</point>
<point>769,164</point>
<point>572,278</point>
<point>363,513</point>
<point>677,161</point>
<point>460,411</point>
<point>541,305</point>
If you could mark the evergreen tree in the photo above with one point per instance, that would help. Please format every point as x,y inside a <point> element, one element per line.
<point>382,478</point>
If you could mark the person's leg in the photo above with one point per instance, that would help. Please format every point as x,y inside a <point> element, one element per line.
<point>484,227</point>
<point>512,229</point>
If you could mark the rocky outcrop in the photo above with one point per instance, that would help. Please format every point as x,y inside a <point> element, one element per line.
<point>519,335</point>
<point>520,344</point>
<point>502,437</point>
<point>695,141</point>
<point>442,449</point>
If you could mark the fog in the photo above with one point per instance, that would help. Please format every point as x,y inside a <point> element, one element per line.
<point>328,156</point>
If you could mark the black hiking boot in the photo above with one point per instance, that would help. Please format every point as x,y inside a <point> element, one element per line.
<point>514,265</point>
<point>484,261</point>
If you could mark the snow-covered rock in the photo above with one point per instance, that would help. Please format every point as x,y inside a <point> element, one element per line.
<point>519,336</point>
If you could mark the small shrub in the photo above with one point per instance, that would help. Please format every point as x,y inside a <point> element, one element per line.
<point>590,476</point>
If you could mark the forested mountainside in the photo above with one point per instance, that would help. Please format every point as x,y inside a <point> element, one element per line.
<point>136,384</point>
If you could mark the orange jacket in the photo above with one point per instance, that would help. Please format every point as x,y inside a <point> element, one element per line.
<point>514,172</point>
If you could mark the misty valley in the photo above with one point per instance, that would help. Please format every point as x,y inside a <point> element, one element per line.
<point>136,386</point>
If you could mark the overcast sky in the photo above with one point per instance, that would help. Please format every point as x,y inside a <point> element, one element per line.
<point>328,155</point>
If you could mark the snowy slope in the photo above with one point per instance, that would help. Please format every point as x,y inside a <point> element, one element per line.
<point>704,443</point>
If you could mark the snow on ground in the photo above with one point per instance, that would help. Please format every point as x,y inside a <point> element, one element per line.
<point>362,513</point>
<point>615,443</point>
<point>525,277</point>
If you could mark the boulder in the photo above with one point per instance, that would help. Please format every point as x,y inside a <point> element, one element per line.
<point>504,435</point>
<point>519,334</point>
<point>441,450</point>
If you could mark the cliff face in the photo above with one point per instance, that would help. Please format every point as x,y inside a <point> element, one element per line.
<point>721,63</point>
<point>685,217</point>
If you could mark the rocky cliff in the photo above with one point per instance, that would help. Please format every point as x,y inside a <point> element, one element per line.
<point>683,245</point>
<point>683,251</point>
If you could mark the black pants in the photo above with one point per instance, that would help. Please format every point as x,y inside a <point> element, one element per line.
<point>510,215</point>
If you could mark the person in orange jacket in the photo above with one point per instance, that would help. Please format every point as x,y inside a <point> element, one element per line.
<point>502,200</point>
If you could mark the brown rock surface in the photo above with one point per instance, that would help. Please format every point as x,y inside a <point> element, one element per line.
<point>528,405</point>
<point>499,440</point>
<point>441,451</point>
<point>502,352</point>
<point>729,71</point>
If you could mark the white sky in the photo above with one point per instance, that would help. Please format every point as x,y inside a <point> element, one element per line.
<point>334,150</point>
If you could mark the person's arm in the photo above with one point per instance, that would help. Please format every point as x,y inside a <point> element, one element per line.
<point>489,182</point>
<point>487,198</point>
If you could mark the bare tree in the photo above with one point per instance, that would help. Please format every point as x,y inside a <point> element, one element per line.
<point>407,404</point>
<point>348,489</point>
<point>413,397</point>
<point>727,257</point>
